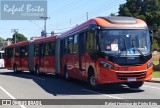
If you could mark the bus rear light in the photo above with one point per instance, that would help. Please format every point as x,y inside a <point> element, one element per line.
<point>149,65</point>
<point>107,65</point>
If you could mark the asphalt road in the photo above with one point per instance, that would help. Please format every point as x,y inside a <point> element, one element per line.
<point>27,86</point>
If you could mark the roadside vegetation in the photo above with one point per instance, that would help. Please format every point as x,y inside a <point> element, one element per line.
<point>156,74</point>
<point>156,62</point>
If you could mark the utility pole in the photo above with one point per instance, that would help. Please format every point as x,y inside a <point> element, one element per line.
<point>87,15</point>
<point>14,31</point>
<point>45,19</point>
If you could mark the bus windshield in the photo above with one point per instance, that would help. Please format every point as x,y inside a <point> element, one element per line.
<point>125,42</point>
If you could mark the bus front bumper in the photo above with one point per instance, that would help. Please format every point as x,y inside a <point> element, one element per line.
<point>106,76</point>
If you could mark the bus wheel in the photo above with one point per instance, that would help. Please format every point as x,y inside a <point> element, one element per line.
<point>37,70</point>
<point>92,81</point>
<point>135,84</point>
<point>15,68</point>
<point>66,74</point>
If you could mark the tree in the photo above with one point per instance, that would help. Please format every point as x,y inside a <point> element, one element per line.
<point>147,10</point>
<point>2,43</point>
<point>112,14</point>
<point>155,46</point>
<point>19,37</point>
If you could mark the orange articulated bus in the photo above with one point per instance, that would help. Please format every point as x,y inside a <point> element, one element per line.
<point>102,50</point>
<point>44,55</point>
<point>16,56</point>
<point>34,56</point>
<point>107,50</point>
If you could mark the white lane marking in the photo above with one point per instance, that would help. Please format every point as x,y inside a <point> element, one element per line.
<point>34,77</point>
<point>101,94</point>
<point>22,106</point>
<point>151,87</point>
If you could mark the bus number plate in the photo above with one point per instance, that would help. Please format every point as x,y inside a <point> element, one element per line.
<point>131,79</point>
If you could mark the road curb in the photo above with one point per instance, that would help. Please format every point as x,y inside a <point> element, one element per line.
<point>154,81</point>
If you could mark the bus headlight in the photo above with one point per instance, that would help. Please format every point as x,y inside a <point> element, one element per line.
<point>149,65</point>
<point>106,65</point>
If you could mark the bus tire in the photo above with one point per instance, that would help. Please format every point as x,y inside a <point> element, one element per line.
<point>135,84</point>
<point>92,81</point>
<point>66,75</point>
<point>37,71</point>
<point>15,68</point>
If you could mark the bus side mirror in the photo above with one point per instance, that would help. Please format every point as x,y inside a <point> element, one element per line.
<point>151,36</point>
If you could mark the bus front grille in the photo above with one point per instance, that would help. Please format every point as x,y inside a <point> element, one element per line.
<point>126,75</point>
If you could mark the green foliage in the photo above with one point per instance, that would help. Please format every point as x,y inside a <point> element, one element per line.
<point>112,14</point>
<point>19,38</point>
<point>156,74</point>
<point>147,10</point>
<point>155,46</point>
<point>2,42</point>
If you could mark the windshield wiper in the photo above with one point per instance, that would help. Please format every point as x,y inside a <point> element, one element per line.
<point>133,46</point>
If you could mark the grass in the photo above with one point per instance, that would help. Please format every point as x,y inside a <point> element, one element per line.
<point>155,62</point>
<point>156,74</point>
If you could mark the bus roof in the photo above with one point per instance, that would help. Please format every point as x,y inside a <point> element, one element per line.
<point>45,39</point>
<point>121,22</point>
<point>36,41</point>
<point>114,22</point>
<point>23,43</point>
<point>80,27</point>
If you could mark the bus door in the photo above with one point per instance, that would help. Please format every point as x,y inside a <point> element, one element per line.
<point>65,58</point>
<point>71,58</point>
<point>53,57</point>
<point>75,58</point>
<point>49,58</point>
<point>24,58</point>
<point>81,52</point>
<point>17,57</point>
<point>41,57</point>
<point>46,58</point>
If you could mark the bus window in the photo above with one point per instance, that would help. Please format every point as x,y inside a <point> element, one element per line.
<point>17,52</point>
<point>91,42</point>
<point>81,42</point>
<point>70,44</point>
<point>42,49</point>
<point>9,53</point>
<point>52,48</point>
<point>47,49</point>
<point>36,50</point>
<point>24,51</point>
<point>66,50</point>
<point>75,44</point>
